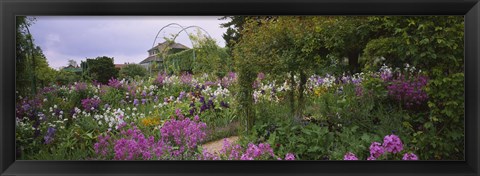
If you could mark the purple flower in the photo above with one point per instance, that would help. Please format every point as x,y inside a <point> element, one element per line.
<point>90,104</point>
<point>49,136</point>
<point>371,158</point>
<point>289,156</point>
<point>410,92</point>
<point>160,78</point>
<point>350,156</point>
<point>186,78</point>
<point>81,86</point>
<point>224,104</point>
<point>261,76</point>
<point>376,149</point>
<point>115,83</point>
<point>392,143</point>
<point>182,95</point>
<point>135,102</point>
<point>144,101</point>
<point>409,156</point>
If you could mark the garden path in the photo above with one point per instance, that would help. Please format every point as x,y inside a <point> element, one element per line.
<point>216,146</point>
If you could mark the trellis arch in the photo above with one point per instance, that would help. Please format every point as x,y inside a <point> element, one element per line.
<point>183,29</point>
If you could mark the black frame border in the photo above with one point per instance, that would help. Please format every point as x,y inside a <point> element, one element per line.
<point>10,8</point>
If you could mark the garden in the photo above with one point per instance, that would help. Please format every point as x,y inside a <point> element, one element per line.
<point>284,88</point>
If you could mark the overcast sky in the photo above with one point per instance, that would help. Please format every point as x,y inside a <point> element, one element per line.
<point>126,39</point>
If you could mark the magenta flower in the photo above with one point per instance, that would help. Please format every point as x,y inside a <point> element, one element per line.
<point>409,156</point>
<point>115,83</point>
<point>371,158</point>
<point>392,143</point>
<point>350,156</point>
<point>376,149</point>
<point>289,156</point>
<point>409,91</point>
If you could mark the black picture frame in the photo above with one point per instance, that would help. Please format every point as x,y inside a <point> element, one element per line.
<point>10,8</point>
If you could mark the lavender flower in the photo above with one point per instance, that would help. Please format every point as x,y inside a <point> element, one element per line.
<point>49,136</point>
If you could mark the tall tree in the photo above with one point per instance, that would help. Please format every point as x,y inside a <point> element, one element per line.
<point>101,69</point>
<point>279,46</point>
<point>72,63</point>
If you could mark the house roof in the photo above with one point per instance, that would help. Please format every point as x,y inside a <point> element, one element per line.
<point>120,65</point>
<point>160,47</point>
<point>148,59</point>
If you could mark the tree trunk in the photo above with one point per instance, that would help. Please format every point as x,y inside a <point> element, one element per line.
<point>292,93</point>
<point>301,97</point>
<point>353,63</point>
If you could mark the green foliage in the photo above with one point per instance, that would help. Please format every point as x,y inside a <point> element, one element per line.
<point>209,57</point>
<point>101,69</point>
<point>428,42</point>
<point>180,62</point>
<point>32,69</point>
<point>277,46</point>
<point>131,71</point>
<point>64,77</point>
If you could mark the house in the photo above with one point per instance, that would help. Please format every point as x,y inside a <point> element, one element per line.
<point>120,66</point>
<point>73,69</point>
<point>153,53</point>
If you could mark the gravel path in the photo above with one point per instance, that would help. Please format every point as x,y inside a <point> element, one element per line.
<point>216,146</point>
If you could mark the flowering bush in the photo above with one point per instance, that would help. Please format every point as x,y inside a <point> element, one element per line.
<point>183,136</point>
<point>179,139</point>
<point>91,104</point>
<point>262,151</point>
<point>391,144</point>
<point>350,156</point>
<point>411,92</point>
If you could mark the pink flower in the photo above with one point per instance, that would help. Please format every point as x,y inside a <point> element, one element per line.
<point>376,149</point>
<point>392,143</point>
<point>350,156</point>
<point>409,156</point>
<point>289,156</point>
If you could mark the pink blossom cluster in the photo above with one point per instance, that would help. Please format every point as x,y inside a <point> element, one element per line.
<point>178,140</point>
<point>115,83</point>
<point>183,135</point>
<point>391,143</point>
<point>262,151</point>
<point>350,156</point>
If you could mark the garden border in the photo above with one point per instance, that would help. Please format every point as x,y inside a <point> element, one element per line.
<point>10,8</point>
